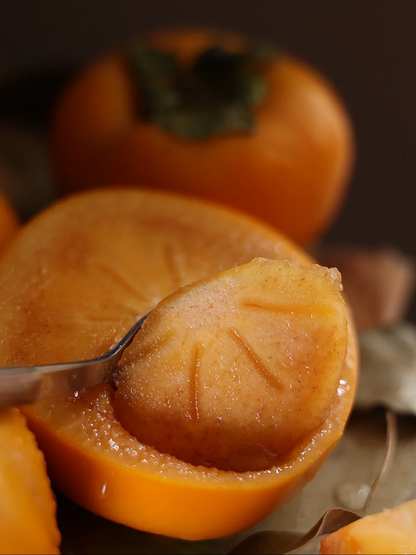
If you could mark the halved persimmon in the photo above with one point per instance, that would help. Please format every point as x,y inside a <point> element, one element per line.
<point>215,115</point>
<point>27,505</point>
<point>78,276</point>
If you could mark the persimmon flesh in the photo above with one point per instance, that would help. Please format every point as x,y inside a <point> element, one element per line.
<point>72,283</point>
<point>391,531</point>
<point>27,504</point>
<point>237,370</point>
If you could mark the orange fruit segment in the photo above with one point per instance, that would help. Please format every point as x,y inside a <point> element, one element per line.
<point>27,505</point>
<point>391,531</point>
<point>74,281</point>
<point>235,371</point>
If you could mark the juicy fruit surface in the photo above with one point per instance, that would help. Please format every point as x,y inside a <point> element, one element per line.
<point>392,531</point>
<point>235,371</point>
<point>291,171</point>
<point>27,505</point>
<point>100,262</point>
<point>76,278</point>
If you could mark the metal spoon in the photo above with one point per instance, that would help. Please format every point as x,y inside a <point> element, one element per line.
<point>21,385</point>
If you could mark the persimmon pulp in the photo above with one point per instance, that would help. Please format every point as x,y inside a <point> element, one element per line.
<point>27,504</point>
<point>238,369</point>
<point>391,531</point>
<point>61,299</point>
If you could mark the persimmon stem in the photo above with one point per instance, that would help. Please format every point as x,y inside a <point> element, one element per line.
<point>214,96</point>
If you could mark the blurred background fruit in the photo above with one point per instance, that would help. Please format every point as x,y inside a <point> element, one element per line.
<point>215,115</point>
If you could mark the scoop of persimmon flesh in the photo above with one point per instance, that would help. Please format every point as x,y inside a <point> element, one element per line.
<point>391,531</point>
<point>236,370</point>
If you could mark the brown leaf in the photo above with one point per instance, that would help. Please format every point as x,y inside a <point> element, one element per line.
<point>391,445</point>
<point>333,520</point>
<point>388,369</point>
<point>273,543</point>
<point>378,283</point>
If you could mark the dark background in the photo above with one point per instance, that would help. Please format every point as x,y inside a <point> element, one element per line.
<point>366,48</point>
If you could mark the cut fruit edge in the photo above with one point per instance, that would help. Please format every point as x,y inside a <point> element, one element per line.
<point>391,531</point>
<point>173,498</point>
<point>157,493</point>
<point>27,504</point>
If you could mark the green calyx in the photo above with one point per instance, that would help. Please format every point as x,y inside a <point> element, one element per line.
<point>214,96</point>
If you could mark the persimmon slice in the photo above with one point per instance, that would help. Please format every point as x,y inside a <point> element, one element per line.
<point>391,531</point>
<point>238,369</point>
<point>72,283</point>
<point>27,504</point>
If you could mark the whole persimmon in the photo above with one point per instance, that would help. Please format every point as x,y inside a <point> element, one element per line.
<point>84,271</point>
<point>211,114</point>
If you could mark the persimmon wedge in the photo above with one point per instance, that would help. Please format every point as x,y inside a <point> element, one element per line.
<point>27,505</point>
<point>391,531</point>
<point>77,277</point>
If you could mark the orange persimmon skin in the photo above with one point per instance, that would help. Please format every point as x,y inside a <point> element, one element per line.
<point>27,504</point>
<point>292,171</point>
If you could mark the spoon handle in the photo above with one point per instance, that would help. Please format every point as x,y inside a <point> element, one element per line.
<point>20,385</point>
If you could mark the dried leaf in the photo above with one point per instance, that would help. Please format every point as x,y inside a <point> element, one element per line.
<point>292,543</point>
<point>333,520</point>
<point>388,369</point>
<point>273,543</point>
<point>378,284</point>
<point>391,445</point>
